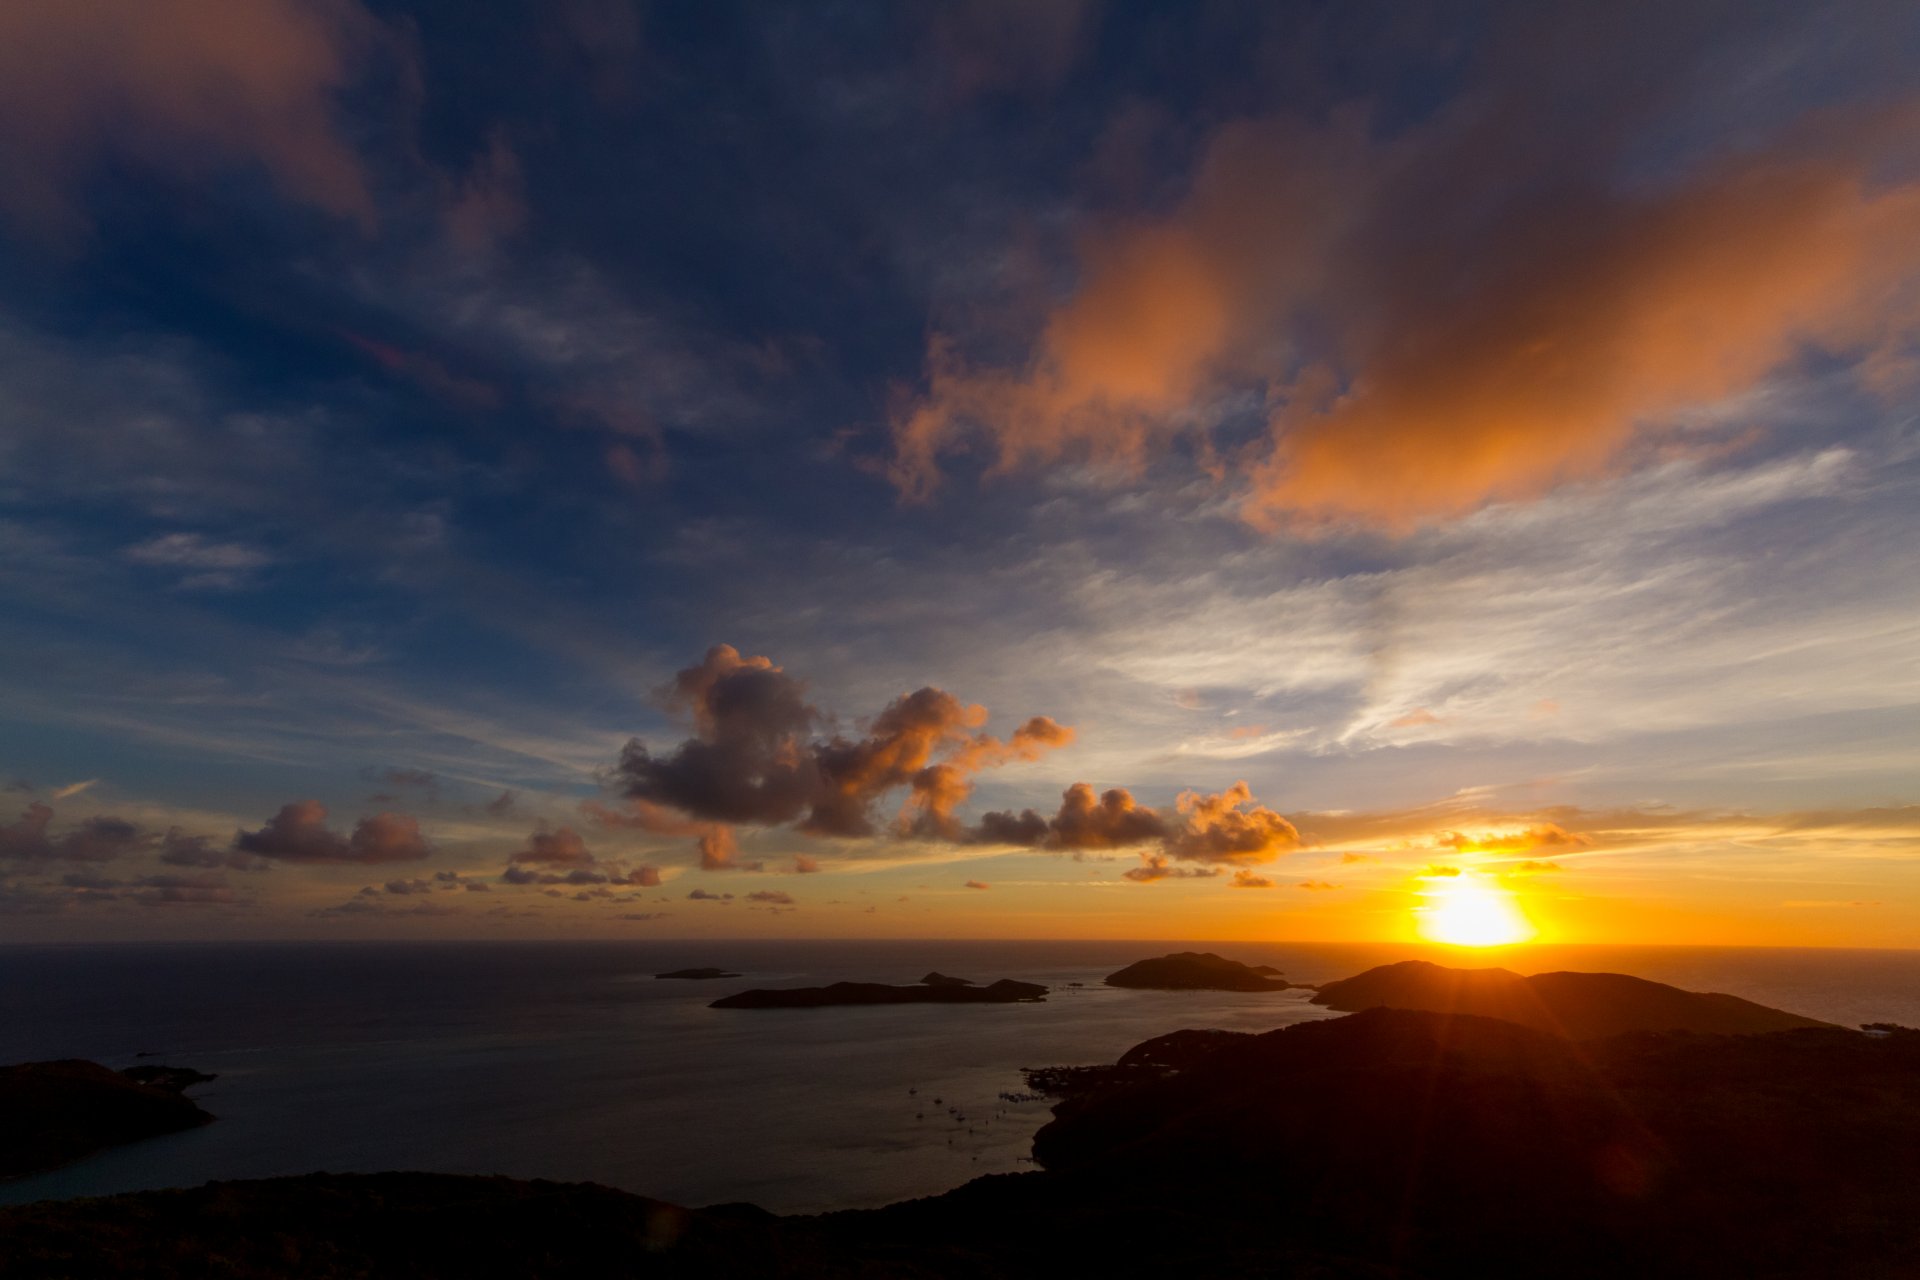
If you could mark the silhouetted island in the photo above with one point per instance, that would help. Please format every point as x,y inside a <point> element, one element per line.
<point>54,1112</point>
<point>1197,971</point>
<point>1583,1006</point>
<point>699,975</point>
<point>938,979</point>
<point>1005,991</point>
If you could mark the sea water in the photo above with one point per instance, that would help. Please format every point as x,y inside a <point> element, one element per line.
<point>571,1061</point>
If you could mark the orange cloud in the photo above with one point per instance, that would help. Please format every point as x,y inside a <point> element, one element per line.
<point>1427,341</point>
<point>181,85</point>
<point>1545,835</point>
<point>1247,880</point>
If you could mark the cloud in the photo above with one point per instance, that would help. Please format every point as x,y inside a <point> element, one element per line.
<point>1548,835</point>
<point>976,884</point>
<point>1244,879</point>
<point>775,896</point>
<point>402,888</point>
<point>563,847</point>
<point>94,840</point>
<point>178,849</point>
<point>178,85</point>
<point>1439,872</point>
<point>805,864</point>
<point>1229,827</point>
<point>1155,866</point>
<point>72,789</point>
<point>719,851</point>
<point>757,758</point>
<point>298,833</point>
<point>1317,886</point>
<point>1533,868</point>
<point>501,805</point>
<point>422,779</point>
<point>703,895</point>
<point>1478,308</point>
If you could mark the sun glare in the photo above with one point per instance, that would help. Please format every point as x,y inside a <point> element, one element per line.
<point>1464,911</point>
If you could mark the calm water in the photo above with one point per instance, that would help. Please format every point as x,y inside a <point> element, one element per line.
<point>570,1061</point>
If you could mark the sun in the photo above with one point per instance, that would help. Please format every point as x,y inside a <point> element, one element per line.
<point>1465,911</point>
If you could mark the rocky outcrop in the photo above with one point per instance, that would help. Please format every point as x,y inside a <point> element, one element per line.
<point>1005,991</point>
<point>1582,1006</point>
<point>55,1112</point>
<point>1197,971</point>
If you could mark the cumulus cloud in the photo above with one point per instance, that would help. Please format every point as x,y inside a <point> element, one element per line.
<point>1244,879</point>
<point>1316,886</point>
<point>804,864</point>
<point>563,847</point>
<point>704,895</point>
<point>28,838</point>
<point>759,757</point>
<point>180,85</point>
<point>299,833</point>
<point>1228,827</point>
<point>775,896</point>
<point>1430,332</point>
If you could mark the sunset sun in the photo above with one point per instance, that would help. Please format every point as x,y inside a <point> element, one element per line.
<point>1464,911</point>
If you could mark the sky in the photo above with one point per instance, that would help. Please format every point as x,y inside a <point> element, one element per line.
<point>980,469</point>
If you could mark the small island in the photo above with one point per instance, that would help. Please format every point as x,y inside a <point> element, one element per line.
<point>52,1113</point>
<point>1197,971</point>
<point>938,979</point>
<point>1005,991</point>
<point>697,975</point>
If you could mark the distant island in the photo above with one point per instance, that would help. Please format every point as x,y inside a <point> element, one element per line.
<point>698,975</point>
<point>1198,971</point>
<point>55,1112</point>
<point>1583,1006</point>
<point>1005,991</point>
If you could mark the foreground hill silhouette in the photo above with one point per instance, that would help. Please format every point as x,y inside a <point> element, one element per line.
<point>1390,1143</point>
<point>1584,1006</point>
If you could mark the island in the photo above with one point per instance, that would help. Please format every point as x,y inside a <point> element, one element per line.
<point>1197,971</point>
<point>1005,991</point>
<point>697,975</point>
<point>1582,1006</point>
<point>52,1113</point>
<point>938,979</point>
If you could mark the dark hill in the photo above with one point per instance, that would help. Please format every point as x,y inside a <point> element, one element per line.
<point>1582,1006</point>
<point>1196,971</point>
<point>53,1112</point>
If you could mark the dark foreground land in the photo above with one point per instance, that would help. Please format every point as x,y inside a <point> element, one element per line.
<point>1391,1143</point>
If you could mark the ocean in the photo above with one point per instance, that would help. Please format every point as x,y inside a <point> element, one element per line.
<point>571,1061</point>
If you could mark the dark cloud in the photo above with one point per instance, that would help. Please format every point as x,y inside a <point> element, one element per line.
<point>977,884</point>
<point>501,805</point>
<point>298,833</point>
<point>757,758</point>
<point>703,895</point>
<point>403,887</point>
<point>178,849</point>
<point>563,847</point>
<point>776,896</point>
<point>1229,827</point>
<point>29,839</point>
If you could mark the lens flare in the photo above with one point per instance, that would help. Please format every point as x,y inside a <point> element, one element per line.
<point>1465,911</point>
